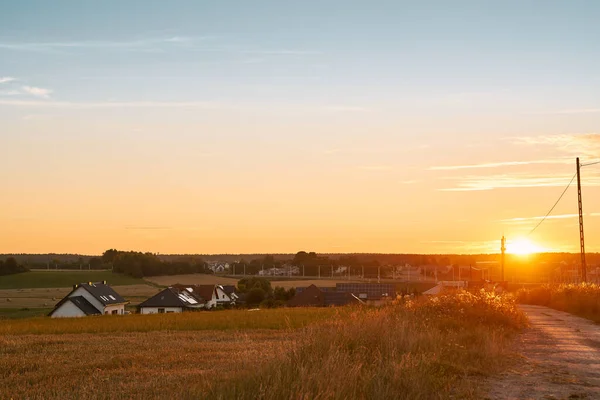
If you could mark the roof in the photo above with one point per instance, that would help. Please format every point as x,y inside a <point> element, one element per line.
<point>81,303</point>
<point>340,298</point>
<point>204,292</point>
<point>228,289</point>
<point>173,297</point>
<point>84,305</point>
<point>102,292</point>
<point>310,296</point>
<point>369,291</point>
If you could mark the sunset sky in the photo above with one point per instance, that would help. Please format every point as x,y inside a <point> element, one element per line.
<point>278,126</point>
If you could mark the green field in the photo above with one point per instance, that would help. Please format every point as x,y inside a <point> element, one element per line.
<point>61,279</point>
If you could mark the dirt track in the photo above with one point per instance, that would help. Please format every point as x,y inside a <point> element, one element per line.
<point>560,359</point>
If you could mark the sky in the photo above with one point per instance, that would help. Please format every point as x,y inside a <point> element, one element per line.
<point>270,126</point>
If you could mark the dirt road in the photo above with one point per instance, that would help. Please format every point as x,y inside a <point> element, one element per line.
<point>560,359</point>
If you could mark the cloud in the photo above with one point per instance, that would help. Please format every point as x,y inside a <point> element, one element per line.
<point>37,91</point>
<point>108,104</point>
<point>375,167</point>
<point>478,183</point>
<point>156,44</point>
<point>521,220</point>
<point>580,111</point>
<point>574,145</point>
<point>10,93</point>
<point>500,164</point>
<point>148,228</point>
<point>5,79</point>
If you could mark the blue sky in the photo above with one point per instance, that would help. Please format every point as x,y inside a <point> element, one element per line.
<point>373,105</point>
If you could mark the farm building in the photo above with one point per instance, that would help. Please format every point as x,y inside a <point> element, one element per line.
<point>172,300</point>
<point>90,299</point>
<point>313,296</point>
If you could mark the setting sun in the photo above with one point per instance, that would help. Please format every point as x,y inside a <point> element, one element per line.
<point>523,246</point>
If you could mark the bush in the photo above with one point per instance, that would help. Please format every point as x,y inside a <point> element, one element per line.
<point>581,299</point>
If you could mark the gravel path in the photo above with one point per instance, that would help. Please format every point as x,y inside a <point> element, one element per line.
<point>559,359</point>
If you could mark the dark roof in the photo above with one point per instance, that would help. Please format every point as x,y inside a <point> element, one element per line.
<point>81,303</point>
<point>102,292</point>
<point>228,289</point>
<point>310,296</point>
<point>369,291</point>
<point>173,297</point>
<point>340,299</point>
<point>84,305</point>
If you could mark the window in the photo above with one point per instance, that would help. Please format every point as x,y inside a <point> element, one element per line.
<point>161,310</point>
<point>115,312</point>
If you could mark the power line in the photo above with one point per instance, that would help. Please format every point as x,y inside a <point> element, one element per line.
<point>554,206</point>
<point>592,163</point>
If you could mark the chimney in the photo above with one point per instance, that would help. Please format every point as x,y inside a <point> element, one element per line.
<point>104,282</point>
<point>75,286</point>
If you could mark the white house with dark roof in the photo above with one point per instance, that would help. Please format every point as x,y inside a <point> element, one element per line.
<point>172,300</point>
<point>90,299</point>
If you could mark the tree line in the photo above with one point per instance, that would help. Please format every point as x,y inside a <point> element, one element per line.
<point>11,266</point>
<point>139,265</point>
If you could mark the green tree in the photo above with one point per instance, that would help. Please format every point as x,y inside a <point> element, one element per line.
<point>255,296</point>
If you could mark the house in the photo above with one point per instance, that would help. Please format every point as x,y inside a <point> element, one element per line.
<point>172,300</point>
<point>231,292</point>
<point>90,299</point>
<point>313,296</point>
<point>208,294</point>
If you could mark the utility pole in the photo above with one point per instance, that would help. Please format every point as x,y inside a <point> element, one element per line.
<point>581,237</point>
<point>503,250</point>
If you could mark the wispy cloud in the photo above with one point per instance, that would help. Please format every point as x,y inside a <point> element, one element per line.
<point>148,228</point>
<point>500,164</point>
<point>478,183</point>
<point>574,145</point>
<point>130,45</point>
<point>580,111</point>
<point>155,44</point>
<point>10,93</point>
<point>5,79</point>
<point>109,104</point>
<point>375,167</point>
<point>37,91</point>
<point>521,220</point>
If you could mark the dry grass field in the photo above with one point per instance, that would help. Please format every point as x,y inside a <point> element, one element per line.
<point>427,349</point>
<point>48,297</point>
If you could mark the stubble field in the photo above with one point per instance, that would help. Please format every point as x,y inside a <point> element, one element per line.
<point>429,348</point>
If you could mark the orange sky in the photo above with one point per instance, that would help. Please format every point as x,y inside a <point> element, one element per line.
<point>174,184</point>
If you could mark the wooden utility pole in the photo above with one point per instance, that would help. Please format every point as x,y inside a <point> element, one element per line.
<point>581,237</point>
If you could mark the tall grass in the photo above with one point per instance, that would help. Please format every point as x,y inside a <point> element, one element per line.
<point>424,349</point>
<point>580,299</point>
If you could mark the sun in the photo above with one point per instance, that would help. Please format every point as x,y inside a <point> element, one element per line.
<point>523,247</point>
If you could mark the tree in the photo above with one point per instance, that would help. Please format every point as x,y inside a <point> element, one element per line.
<point>255,296</point>
<point>11,266</point>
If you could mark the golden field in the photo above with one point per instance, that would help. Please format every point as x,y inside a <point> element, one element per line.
<point>428,348</point>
